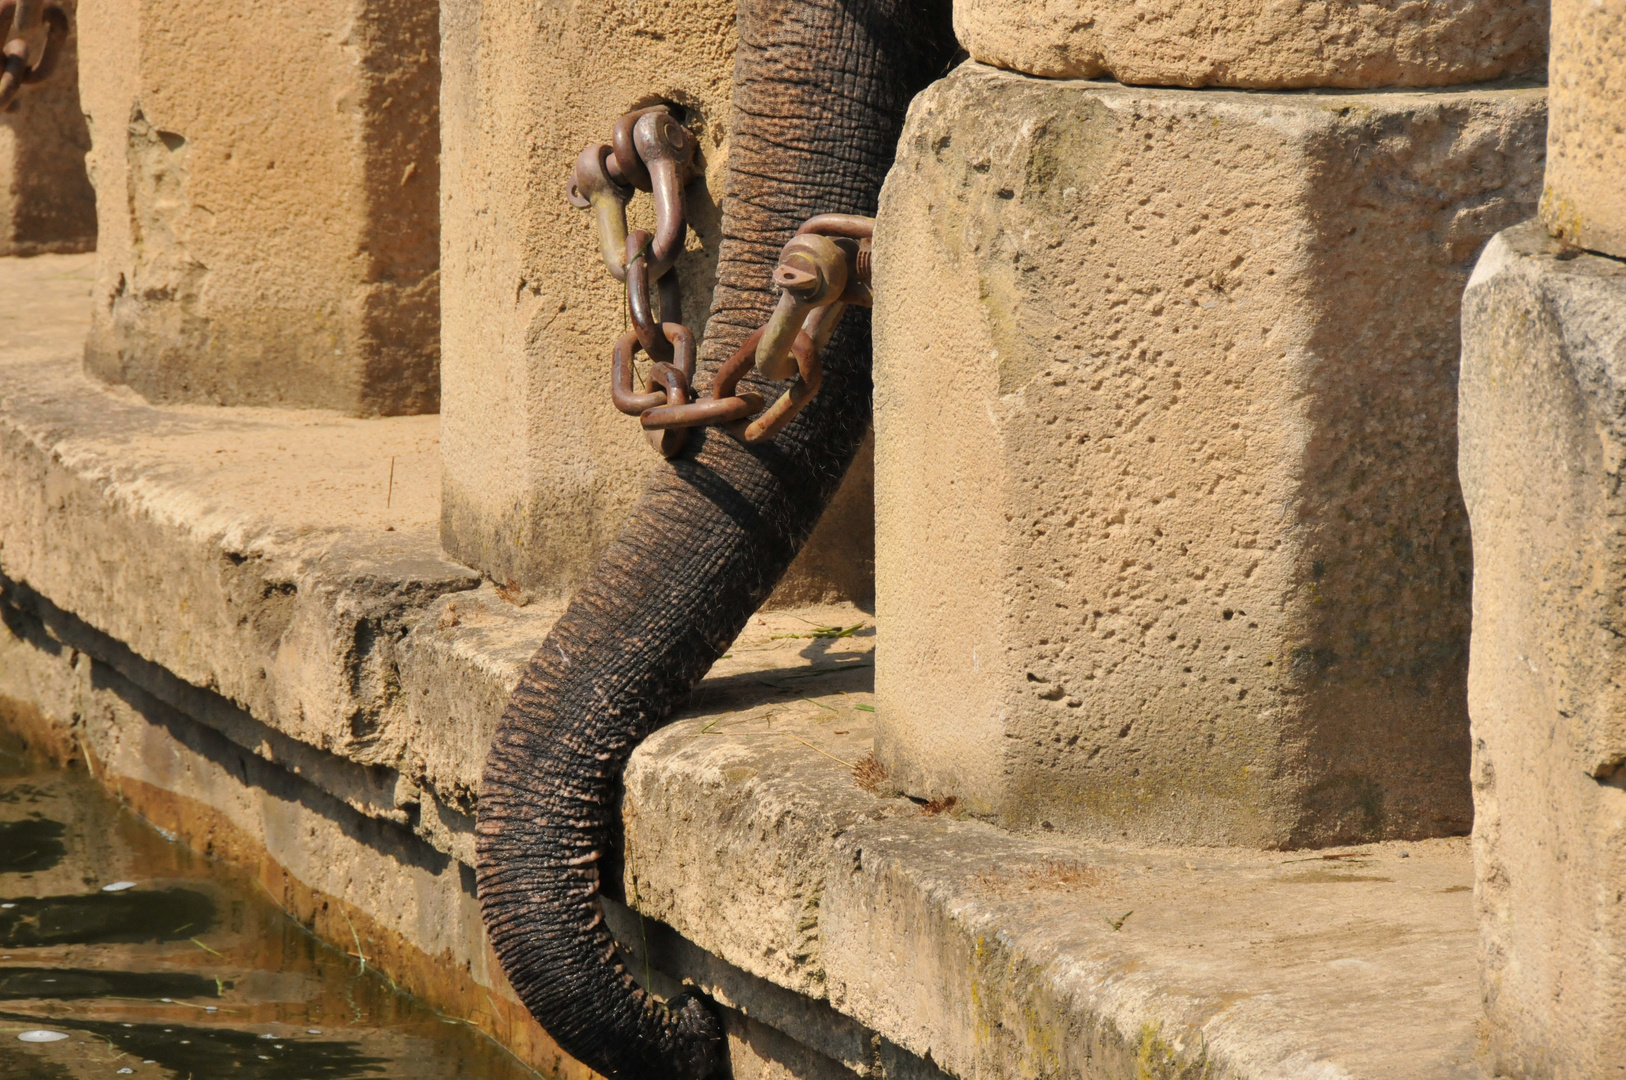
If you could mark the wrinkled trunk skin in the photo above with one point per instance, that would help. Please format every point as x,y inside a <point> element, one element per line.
<point>821,88</point>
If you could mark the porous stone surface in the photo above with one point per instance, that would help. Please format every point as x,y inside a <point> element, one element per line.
<point>991,955</point>
<point>1260,44</point>
<point>1169,538</point>
<point>266,556</point>
<point>1584,201</point>
<point>266,182</point>
<point>1543,429</point>
<point>540,469</point>
<point>46,201</point>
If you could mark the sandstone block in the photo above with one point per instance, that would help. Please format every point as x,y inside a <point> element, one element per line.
<point>1260,44</point>
<point>993,955</point>
<point>1169,538</point>
<point>46,202</point>
<point>266,184</point>
<point>540,469</point>
<point>1543,433</point>
<point>1584,201</point>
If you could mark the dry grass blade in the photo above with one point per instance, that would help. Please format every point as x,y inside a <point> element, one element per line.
<point>827,632</point>
<point>1056,876</point>
<point>826,753</point>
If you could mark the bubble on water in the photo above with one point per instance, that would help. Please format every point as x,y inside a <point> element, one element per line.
<point>126,1070</point>
<point>167,1001</point>
<point>313,1031</point>
<point>118,886</point>
<point>42,1035</point>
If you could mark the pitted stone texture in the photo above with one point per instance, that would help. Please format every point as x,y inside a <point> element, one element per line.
<point>1543,428</point>
<point>994,955</point>
<point>540,469</point>
<point>1260,44</point>
<point>266,182</point>
<point>46,202</point>
<point>1585,197</point>
<point>1169,537</point>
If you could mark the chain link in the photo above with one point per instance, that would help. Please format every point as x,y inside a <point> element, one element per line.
<point>822,271</point>
<point>25,19</point>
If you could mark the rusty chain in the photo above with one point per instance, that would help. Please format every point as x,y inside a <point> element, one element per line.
<point>34,27</point>
<point>822,271</point>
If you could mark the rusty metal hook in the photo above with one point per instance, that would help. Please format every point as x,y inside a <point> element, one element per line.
<point>626,164</point>
<point>592,186</point>
<point>816,269</point>
<point>650,151</point>
<point>666,149</point>
<point>812,272</point>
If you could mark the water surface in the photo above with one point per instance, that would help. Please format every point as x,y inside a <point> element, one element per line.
<point>132,955</point>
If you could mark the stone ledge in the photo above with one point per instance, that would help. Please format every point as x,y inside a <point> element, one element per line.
<point>261,556</point>
<point>994,954</point>
<point>320,831</point>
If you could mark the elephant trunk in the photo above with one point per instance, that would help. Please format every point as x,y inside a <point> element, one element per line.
<point>821,88</point>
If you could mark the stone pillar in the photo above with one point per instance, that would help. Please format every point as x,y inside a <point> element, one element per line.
<point>540,469</point>
<point>1584,201</point>
<point>1543,434</point>
<point>1543,448</point>
<point>266,181</point>
<point>1169,539</point>
<point>46,202</point>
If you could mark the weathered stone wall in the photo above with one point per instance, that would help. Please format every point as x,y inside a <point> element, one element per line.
<point>1543,446</point>
<point>1169,538</point>
<point>1259,44</point>
<point>46,201</point>
<point>1585,197</point>
<point>540,469</point>
<point>266,182</point>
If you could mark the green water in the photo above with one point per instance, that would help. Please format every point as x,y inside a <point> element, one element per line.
<point>184,969</point>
